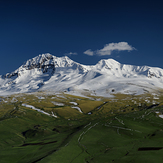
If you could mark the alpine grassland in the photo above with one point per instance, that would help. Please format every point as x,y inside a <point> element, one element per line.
<point>61,128</point>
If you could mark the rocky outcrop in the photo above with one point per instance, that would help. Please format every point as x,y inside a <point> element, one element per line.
<point>9,75</point>
<point>44,63</point>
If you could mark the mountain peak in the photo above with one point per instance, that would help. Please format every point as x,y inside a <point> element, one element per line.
<point>48,72</point>
<point>42,62</point>
<point>42,59</point>
<point>63,61</point>
<point>112,60</point>
<point>107,63</point>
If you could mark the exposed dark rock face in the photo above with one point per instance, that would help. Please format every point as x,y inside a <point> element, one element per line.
<point>43,62</point>
<point>31,64</point>
<point>9,75</point>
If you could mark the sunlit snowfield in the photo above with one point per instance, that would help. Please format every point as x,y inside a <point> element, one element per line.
<point>61,74</point>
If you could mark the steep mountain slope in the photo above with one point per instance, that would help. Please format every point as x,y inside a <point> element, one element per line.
<point>49,73</point>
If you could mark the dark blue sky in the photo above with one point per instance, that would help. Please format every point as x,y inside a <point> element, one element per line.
<point>29,28</point>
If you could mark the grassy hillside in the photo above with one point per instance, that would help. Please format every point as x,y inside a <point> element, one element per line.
<point>125,128</point>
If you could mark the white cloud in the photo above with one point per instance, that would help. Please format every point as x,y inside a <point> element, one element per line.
<point>108,48</point>
<point>71,53</point>
<point>89,52</point>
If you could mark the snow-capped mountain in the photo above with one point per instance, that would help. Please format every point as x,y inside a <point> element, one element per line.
<point>49,73</point>
<point>42,63</point>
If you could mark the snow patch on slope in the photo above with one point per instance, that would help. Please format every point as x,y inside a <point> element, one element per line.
<point>39,110</point>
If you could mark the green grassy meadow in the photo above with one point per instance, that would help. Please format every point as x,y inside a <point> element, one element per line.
<point>125,128</point>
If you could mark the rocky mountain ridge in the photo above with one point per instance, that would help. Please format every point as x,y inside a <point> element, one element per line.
<point>42,62</point>
<point>48,72</point>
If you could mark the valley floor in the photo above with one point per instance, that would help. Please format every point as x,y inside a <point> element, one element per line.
<point>47,128</point>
